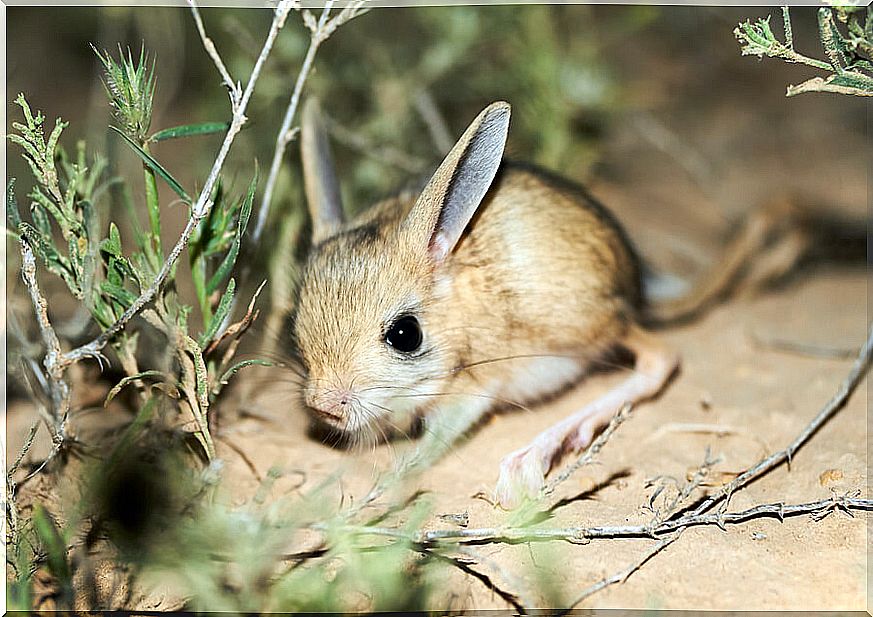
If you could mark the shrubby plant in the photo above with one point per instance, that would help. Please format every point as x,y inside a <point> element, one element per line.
<point>846,33</point>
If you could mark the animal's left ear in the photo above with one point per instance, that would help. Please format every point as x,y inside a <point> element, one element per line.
<point>451,197</point>
<point>319,176</point>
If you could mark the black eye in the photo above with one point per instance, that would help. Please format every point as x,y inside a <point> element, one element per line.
<point>404,334</point>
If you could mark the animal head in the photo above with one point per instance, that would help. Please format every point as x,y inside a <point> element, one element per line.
<point>371,349</point>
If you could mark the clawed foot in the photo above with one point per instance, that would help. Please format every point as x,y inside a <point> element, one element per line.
<point>523,473</point>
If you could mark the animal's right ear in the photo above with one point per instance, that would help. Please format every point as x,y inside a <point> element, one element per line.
<point>319,176</point>
<point>450,199</point>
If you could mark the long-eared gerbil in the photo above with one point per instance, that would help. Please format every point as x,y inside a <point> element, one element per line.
<point>498,285</point>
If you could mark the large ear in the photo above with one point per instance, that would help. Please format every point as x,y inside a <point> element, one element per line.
<point>319,175</point>
<point>451,197</point>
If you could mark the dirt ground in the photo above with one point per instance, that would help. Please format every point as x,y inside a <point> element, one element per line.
<point>677,177</point>
<point>741,401</point>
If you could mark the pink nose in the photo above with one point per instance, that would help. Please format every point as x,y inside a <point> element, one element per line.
<point>332,403</point>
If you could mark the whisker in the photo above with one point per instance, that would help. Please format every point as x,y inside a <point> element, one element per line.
<point>506,401</point>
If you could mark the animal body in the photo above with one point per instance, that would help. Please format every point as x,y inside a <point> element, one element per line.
<point>497,285</point>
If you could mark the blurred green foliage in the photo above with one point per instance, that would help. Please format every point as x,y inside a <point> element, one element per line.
<point>410,80</point>
<point>848,48</point>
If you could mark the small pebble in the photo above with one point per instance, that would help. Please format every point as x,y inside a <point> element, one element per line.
<point>830,476</point>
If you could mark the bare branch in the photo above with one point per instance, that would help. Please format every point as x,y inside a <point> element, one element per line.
<point>321,31</point>
<point>464,565</point>
<point>388,155</point>
<point>622,575</point>
<point>439,131</point>
<point>838,402</point>
<point>817,509</point>
<point>54,357</point>
<point>234,87</point>
<point>591,451</point>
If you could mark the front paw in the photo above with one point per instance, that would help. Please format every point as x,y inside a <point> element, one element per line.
<point>522,475</point>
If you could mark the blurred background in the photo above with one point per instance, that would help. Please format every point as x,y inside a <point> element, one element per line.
<point>620,95</point>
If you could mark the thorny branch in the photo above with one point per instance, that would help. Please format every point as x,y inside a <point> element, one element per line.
<point>817,510</point>
<point>591,451</point>
<point>838,402</point>
<point>514,535</point>
<point>622,575</point>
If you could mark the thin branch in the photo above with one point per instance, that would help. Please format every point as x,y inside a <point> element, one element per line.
<point>514,535</point>
<point>320,32</point>
<point>838,402</point>
<point>54,357</point>
<point>684,493</point>
<point>802,349</point>
<point>234,87</point>
<point>201,207</point>
<point>464,566</point>
<point>388,155</point>
<point>622,575</point>
<point>591,451</point>
<point>817,84</point>
<point>427,108</point>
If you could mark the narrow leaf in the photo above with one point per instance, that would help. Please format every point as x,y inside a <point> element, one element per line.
<point>241,365</point>
<point>230,259</point>
<point>55,547</point>
<point>220,314</point>
<point>117,293</point>
<point>129,379</point>
<point>190,130</point>
<point>155,166</point>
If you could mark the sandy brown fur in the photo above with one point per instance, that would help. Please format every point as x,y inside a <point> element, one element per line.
<point>539,272</point>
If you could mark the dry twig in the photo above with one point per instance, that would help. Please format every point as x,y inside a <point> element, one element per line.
<point>54,357</point>
<point>591,451</point>
<point>234,87</point>
<point>802,349</point>
<point>837,402</point>
<point>622,575</point>
<point>513,535</point>
<point>320,30</point>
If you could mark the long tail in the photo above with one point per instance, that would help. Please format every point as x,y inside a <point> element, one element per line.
<point>769,243</point>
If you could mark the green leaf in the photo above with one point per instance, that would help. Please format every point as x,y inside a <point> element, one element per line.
<point>190,130</point>
<point>230,259</point>
<point>55,547</point>
<point>241,365</point>
<point>112,244</point>
<point>220,314</point>
<point>118,293</point>
<point>13,216</point>
<point>155,166</point>
<point>129,379</point>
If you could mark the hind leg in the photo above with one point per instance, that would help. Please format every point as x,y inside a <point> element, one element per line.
<point>523,472</point>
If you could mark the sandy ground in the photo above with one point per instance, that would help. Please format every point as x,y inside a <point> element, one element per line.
<point>741,401</point>
<point>676,191</point>
<point>732,396</point>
